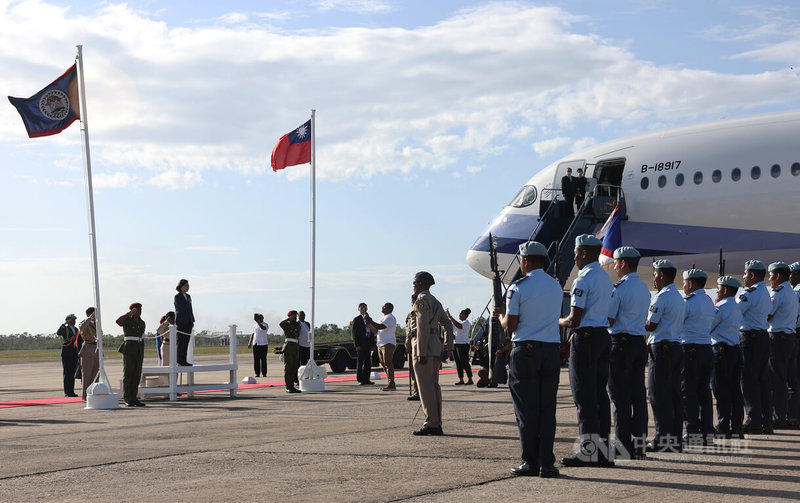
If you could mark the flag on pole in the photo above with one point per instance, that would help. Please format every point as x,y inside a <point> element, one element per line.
<point>52,109</point>
<point>293,148</point>
<point>611,234</point>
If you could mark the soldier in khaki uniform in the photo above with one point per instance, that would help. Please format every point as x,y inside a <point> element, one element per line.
<point>411,333</point>
<point>428,351</point>
<point>291,350</point>
<point>90,360</point>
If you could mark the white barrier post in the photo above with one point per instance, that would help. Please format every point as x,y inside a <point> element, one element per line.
<point>233,343</point>
<point>173,362</point>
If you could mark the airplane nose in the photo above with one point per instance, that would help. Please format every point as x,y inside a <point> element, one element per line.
<point>479,262</point>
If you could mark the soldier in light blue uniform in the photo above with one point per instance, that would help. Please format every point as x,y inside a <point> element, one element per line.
<point>782,341</point>
<point>531,315</point>
<point>727,359</point>
<point>756,387</point>
<point>664,322</point>
<point>627,315</point>
<point>590,347</point>
<point>698,360</point>
<point>794,359</point>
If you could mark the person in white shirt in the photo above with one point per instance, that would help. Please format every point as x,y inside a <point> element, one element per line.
<point>303,341</point>
<point>386,342</point>
<point>259,341</point>
<point>461,327</point>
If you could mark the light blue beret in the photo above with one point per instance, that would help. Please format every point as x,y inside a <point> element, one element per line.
<point>729,281</point>
<point>626,252</point>
<point>532,249</point>
<point>778,265</point>
<point>695,274</point>
<point>663,264</point>
<point>795,266</point>
<point>587,240</point>
<point>755,265</point>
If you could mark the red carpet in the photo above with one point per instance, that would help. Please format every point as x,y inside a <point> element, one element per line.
<point>272,384</point>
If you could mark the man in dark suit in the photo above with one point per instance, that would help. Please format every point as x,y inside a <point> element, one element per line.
<point>69,354</point>
<point>363,339</point>
<point>580,189</point>
<point>184,319</point>
<point>568,189</point>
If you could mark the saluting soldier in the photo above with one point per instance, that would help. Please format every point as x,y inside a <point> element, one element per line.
<point>794,358</point>
<point>531,315</point>
<point>782,325</point>
<point>664,322</point>
<point>411,333</point>
<point>90,360</point>
<point>69,354</point>
<point>590,347</point>
<point>132,354</point>
<point>756,388</point>
<point>428,351</point>
<point>727,359</point>
<point>291,350</point>
<point>627,315</point>
<point>698,360</point>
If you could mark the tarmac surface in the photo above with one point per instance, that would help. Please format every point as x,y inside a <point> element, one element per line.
<point>350,443</point>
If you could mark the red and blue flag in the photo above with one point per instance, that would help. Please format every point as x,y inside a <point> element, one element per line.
<point>52,109</point>
<point>611,234</point>
<point>293,148</point>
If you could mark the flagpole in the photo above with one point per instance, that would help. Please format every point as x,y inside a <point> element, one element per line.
<point>105,398</point>
<point>313,227</point>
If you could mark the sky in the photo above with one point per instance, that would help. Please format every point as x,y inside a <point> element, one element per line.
<point>430,116</point>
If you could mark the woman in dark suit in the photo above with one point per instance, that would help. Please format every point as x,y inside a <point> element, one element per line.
<point>184,319</point>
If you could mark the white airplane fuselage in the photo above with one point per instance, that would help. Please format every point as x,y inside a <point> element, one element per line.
<point>690,191</point>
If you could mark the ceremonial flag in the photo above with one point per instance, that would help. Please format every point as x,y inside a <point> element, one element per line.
<point>611,234</point>
<point>52,109</point>
<point>293,148</point>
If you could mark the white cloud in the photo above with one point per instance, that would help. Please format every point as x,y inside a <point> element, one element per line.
<point>174,179</point>
<point>353,5</point>
<point>547,147</point>
<point>118,180</point>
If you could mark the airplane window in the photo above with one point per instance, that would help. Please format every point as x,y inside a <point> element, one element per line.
<point>662,180</point>
<point>644,183</point>
<point>796,169</point>
<point>679,179</point>
<point>698,178</point>
<point>775,170</point>
<point>736,174</point>
<point>526,197</point>
<point>716,176</point>
<point>755,173</point>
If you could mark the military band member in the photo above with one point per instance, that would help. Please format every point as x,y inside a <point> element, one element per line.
<point>627,315</point>
<point>291,350</point>
<point>90,359</point>
<point>132,354</point>
<point>727,359</point>
<point>782,340</point>
<point>664,322</point>
<point>794,358</point>
<point>428,351</point>
<point>69,354</point>
<point>698,360</point>
<point>590,347</point>
<point>531,315</point>
<point>755,305</point>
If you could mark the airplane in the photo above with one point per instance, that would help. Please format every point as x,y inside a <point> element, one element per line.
<point>692,194</point>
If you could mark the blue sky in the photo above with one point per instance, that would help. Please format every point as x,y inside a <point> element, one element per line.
<point>430,116</point>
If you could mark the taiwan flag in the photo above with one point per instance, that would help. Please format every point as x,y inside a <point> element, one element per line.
<point>293,148</point>
<point>52,109</point>
<point>611,234</point>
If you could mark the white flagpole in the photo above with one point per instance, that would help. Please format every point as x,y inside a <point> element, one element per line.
<point>313,227</point>
<point>106,400</point>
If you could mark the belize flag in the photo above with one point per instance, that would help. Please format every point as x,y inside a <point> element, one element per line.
<point>293,148</point>
<point>52,109</point>
<point>611,234</point>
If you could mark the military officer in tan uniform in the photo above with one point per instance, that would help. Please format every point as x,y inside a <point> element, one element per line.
<point>428,351</point>
<point>90,359</point>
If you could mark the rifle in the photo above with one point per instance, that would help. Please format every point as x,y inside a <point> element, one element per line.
<point>497,293</point>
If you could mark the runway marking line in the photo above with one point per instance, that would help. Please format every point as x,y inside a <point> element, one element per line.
<point>272,384</point>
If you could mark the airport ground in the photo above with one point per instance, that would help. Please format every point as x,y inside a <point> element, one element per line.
<point>350,443</point>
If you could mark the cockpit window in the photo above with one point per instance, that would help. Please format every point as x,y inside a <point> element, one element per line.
<point>526,197</point>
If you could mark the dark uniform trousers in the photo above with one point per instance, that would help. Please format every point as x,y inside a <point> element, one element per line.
<point>291,362</point>
<point>756,389</point>
<point>793,373</point>
<point>533,382</point>
<point>132,358</point>
<point>364,363</point>
<point>305,354</point>
<point>698,405</point>
<point>69,363</point>
<point>260,358</point>
<point>664,392</point>
<point>725,384</point>
<point>183,342</point>
<point>627,390</point>
<point>589,353</point>
<point>461,355</point>
<point>781,346</point>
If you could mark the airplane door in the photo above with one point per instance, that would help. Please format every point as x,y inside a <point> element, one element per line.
<point>608,174</point>
<point>561,170</point>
